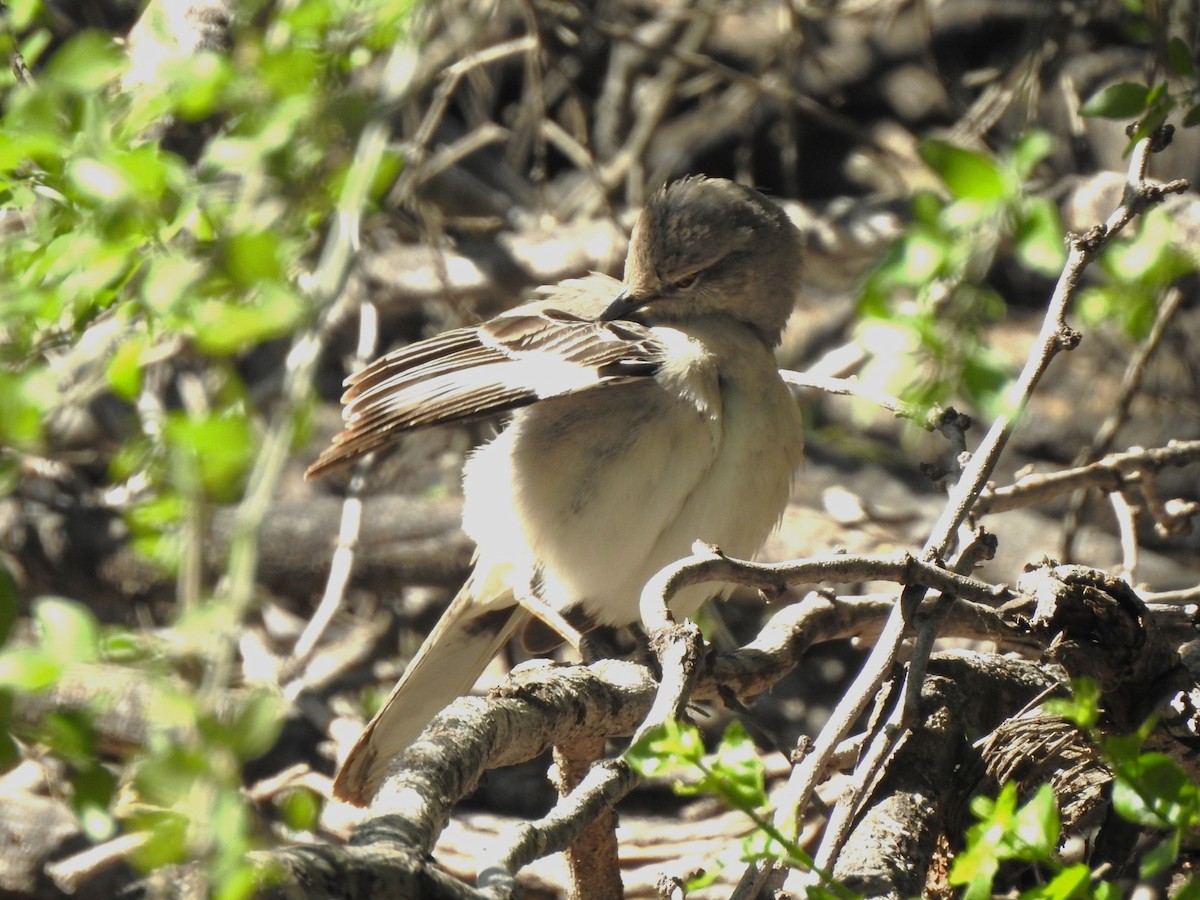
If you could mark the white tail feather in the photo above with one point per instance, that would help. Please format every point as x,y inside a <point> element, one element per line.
<point>471,631</point>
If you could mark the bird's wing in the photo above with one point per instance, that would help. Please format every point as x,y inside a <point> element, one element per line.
<point>530,354</point>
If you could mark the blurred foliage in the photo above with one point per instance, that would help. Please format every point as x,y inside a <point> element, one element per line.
<point>133,271</point>
<point>929,298</point>
<point>144,271</point>
<point>1173,92</point>
<point>1134,274</point>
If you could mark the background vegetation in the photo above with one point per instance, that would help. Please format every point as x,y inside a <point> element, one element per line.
<point>207,216</point>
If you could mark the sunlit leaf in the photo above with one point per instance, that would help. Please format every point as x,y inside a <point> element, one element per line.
<point>67,629</point>
<point>1159,857</point>
<point>1083,707</point>
<point>1153,790</point>
<point>198,84</point>
<point>1117,101</point>
<point>257,725</point>
<point>1071,882</point>
<point>20,409</point>
<point>86,63</point>
<point>740,766</point>
<point>166,842</point>
<point>666,749</point>
<point>124,369</point>
<point>1030,150</point>
<point>1037,824</point>
<point>99,181</point>
<point>8,602</point>
<point>968,175</point>
<point>215,449</point>
<point>252,257</point>
<point>29,670</point>
<point>1040,236</point>
<point>300,809</point>
<point>227,326</point>
<point>22,13</point>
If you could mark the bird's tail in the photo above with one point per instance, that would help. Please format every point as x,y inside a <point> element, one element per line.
<point>471,631</point>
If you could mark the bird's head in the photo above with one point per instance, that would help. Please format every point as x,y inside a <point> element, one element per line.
<point>707,246</point>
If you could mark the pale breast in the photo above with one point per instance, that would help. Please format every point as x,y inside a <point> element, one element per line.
<point>609,487</point>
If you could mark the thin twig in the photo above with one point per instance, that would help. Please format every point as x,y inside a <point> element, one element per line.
<point>1131,381</point>
<point>1110,473</point>
<point>349,528</point>
<point>1126,514</point>
<point>923,416</point>
<point>73,872</point>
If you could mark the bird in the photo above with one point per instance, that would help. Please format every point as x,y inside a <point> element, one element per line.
<point>645,414</point>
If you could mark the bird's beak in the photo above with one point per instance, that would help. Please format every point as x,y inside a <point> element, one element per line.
<point>623,305</point>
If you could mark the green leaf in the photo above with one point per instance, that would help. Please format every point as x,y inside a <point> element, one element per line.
<point>1037,825</point>
<point>198,83</point>
<point>1159,857</point>
<point>170,775</point>
<point>1180,58</point>
<point>740,769</point>
<point>169,282</point>
<point>300,809</point>
<point>167,842</point>
<point>1117,101</point>
<point>967,174</point>
<point>228,326</point>
<point>69,733</point>
<point>1084,706</point>
<point>10,753</point>
<point>976,871</point>
<point>1030,150</point>
<point>257,725</point>
<point>85,64</point>
<point>667,748</point>
<point>252,257</point>
<point>1005,832</point>
<point>1071,882</point>
<point>1159,105</point>
<point>1151,256</point>
<point>215,449</point>
<point>98,182</point>
<point>29,670</point>
<point>124,369</point>
<point>1153,790</point>
<point>22,14</point>
<point>1192,117</point>
<point>1040,236</point>
<point>21,406</point>
<point>985,378</point>
<point>123,647</point>
<point>67,629</point>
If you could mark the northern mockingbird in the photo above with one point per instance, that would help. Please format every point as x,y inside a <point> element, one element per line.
<point>646,414</point>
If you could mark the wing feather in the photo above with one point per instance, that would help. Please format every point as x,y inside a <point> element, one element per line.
<point>530,354</point>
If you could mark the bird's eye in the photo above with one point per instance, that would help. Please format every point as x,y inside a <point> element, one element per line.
<point>687,281</point>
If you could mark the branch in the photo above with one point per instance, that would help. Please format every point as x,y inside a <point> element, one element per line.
<point>1055,335</point>
<point>1112,473</point>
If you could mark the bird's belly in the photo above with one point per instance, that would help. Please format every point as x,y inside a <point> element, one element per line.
<point>605,493</point>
